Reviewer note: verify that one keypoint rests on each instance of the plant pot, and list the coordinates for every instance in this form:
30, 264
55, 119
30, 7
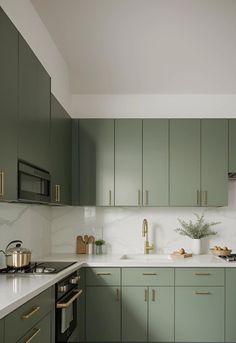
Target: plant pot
196, 246
98, 249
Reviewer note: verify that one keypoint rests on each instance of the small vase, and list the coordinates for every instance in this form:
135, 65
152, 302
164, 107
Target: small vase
98, 249
196, 246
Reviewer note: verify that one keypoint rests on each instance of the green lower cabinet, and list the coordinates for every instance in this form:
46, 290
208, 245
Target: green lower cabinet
134, 314
230, 305
161, 314
41, 332
199, 314
103, 314
1, 330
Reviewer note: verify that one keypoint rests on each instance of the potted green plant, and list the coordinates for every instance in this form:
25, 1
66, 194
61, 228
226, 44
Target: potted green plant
196, 231
99, 243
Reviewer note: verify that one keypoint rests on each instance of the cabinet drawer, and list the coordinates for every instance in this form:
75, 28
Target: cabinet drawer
41, 332
199, 277
102, 276
26, 316
148, 276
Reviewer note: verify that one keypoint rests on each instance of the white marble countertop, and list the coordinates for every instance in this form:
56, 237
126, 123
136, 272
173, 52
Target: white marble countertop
15, 290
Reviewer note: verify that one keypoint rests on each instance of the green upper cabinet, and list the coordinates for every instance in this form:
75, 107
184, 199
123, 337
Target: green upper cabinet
60, 154
232, 146
128, 162
8, 108
184, 162
214, 162
96, 162
155, 162
34, 109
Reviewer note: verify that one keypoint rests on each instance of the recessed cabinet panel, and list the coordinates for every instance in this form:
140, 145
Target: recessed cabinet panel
232, 145
96, 167
34, 109
184, 162
155, 162
60, 154
128, 162
8, 108
134, 314
214, 162
230, 306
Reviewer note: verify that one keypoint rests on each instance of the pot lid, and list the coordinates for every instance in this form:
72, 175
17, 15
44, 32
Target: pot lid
18, 250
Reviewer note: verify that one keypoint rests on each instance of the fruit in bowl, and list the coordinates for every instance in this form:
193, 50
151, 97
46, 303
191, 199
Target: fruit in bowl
221, 251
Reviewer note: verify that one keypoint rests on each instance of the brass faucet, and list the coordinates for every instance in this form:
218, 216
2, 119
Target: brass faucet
147, 246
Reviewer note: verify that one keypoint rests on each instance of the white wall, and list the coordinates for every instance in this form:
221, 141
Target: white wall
29, 24
121, 227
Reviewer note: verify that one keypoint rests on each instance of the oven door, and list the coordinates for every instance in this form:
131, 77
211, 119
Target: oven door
66, 315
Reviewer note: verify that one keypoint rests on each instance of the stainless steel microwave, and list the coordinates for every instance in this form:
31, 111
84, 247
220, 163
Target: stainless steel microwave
33, 183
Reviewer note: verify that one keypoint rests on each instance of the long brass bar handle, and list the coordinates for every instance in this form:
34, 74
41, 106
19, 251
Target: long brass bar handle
149, 274
117, 295
202, 293
56, 195
145, 294
146, 198
59, 193
202, 274
153, 295
109, 197
31, 313
69, 302
36, 332
139, 197
198, 197
100, 273
205, 198
1, 183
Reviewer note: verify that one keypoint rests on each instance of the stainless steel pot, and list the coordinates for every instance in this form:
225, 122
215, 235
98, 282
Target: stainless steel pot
17, 257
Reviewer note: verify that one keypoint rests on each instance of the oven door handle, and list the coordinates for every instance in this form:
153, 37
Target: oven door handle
72, 299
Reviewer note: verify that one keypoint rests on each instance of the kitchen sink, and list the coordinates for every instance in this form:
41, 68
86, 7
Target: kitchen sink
143, 257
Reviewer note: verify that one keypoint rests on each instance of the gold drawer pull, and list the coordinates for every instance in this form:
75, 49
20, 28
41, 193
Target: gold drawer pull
69, 302
153, 295
99, 274
33, 311
149, 274
202, 293
145, 295
202, 274
117, 295
36, 332
1, 183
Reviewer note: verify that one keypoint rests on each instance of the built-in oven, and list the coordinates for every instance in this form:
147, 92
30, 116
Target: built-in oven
67, 318
33, 183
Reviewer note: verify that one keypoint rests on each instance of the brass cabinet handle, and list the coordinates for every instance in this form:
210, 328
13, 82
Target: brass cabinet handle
149, 274
57, 193
202, 293
69, 302
36, 332
153, 295
205, 198
101, 273
117, 295
109, 197
33, 311
145, 294
139, 197
146, 198
202, 274
2, 183
198, 197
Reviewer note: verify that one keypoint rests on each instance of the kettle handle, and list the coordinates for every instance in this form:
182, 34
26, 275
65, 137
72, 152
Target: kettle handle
16, 241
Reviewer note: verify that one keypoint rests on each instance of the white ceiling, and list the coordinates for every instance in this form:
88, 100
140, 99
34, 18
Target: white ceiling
145, 46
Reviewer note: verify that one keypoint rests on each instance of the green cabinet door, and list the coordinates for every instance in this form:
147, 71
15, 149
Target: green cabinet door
155, 162
96, 162
134, 314
232, 146
2, 330
161, 314
34, 109
128, 162
60, 154
214, 162
184, 162
230, 305
103, 314
199, 314
41, 332
8, 108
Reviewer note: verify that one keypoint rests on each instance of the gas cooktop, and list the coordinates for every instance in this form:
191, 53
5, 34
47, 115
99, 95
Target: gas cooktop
38, 268
229, 258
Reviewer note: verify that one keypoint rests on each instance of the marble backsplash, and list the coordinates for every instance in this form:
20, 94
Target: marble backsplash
121, 227
29, 223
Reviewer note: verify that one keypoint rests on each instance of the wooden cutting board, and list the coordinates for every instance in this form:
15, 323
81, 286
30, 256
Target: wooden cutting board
80, 245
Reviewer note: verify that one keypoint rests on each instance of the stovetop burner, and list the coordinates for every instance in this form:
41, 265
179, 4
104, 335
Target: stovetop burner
229, 258
38, 268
